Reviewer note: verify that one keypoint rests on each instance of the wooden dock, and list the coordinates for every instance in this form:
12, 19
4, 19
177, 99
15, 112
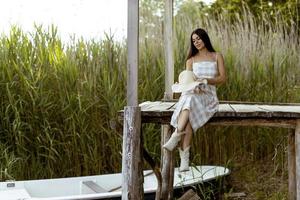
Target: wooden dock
229, 113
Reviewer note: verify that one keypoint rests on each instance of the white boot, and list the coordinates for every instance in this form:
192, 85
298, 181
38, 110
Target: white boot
173, 141
184, 159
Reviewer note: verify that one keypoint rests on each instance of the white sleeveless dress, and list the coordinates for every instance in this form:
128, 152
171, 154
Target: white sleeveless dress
201, 106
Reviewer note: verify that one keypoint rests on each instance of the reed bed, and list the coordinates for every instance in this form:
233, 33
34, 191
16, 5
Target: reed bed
59, 100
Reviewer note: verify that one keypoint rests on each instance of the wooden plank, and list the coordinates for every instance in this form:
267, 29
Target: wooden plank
132, 162
157, 106
164, 118
259, 103
161, 112
132, 52
292, 165
297, 152
233, 110
225, 108
282, 108
250, 102
240, 108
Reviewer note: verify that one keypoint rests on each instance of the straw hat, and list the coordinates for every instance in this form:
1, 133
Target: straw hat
186, 82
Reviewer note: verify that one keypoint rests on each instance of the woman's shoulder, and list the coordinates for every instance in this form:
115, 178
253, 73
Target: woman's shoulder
189, 63
217, 55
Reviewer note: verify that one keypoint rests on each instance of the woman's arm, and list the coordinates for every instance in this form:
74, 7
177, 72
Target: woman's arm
221, 78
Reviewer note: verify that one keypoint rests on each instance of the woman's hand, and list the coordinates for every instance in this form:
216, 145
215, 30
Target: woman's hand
198, 90
202, 81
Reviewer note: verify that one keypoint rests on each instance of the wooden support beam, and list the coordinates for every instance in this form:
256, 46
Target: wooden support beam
156, 170
132, 162
133, 52
282, 123
167, 165
132, 171
292, 165
167, 159
168, 41
297, 151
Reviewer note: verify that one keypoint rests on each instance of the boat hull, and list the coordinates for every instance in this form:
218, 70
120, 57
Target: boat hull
106, 186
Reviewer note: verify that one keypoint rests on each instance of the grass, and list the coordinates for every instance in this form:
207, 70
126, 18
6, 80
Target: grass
58, 100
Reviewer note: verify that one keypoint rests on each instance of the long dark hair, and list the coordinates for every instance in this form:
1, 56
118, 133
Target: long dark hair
204, 37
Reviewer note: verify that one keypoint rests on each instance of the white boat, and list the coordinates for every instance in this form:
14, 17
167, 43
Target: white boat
100, 186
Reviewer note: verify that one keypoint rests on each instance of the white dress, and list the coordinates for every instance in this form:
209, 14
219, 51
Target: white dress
201, 106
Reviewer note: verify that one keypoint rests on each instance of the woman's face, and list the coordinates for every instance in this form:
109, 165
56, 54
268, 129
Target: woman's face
198, 43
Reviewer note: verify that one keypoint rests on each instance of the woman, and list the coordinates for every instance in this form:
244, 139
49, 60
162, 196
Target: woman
197, 106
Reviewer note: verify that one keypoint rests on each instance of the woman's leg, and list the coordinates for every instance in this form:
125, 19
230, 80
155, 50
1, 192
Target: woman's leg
187, 137
184, 151
183, 119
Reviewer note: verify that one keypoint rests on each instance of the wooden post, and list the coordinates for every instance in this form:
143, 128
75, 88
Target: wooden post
133, 50
168, 33
297, 140
292, 165
167, 159
132, 172
167, 165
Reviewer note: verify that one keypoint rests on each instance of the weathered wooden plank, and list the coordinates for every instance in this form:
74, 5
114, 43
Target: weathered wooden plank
229, 110
132, 162
281, 108
161, 112
157, 106
297, 152
225, 108
241, 108
292, 165
250, 102
258, 103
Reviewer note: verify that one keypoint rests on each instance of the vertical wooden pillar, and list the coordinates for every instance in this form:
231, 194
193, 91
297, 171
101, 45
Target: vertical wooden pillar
297, 140
167, 165
167, 159
292, 165
168, 41
132, 172
133, 52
